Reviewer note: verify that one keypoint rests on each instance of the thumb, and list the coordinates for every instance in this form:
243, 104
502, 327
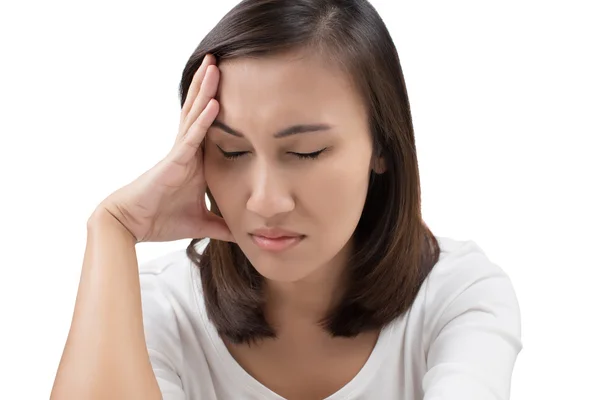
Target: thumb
215, 227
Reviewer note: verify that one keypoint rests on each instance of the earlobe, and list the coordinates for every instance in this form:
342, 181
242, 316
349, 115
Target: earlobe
378, 165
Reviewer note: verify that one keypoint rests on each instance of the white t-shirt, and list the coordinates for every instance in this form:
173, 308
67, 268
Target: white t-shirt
458, 341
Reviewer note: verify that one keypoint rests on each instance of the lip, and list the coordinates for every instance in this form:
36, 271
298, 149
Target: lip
275, 239
274, 233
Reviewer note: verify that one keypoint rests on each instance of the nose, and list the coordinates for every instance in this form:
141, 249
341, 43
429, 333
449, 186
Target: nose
269, 194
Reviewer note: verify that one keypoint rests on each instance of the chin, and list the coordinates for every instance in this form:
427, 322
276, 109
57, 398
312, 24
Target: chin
279, 269
283, 267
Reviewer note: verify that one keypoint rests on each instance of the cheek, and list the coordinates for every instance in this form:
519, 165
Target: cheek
212, 175
338, 193
223, 185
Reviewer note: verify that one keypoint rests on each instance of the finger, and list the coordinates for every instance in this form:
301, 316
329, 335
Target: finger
209, 226
208, 90
217, 228
186, 149
192, 94
196, 83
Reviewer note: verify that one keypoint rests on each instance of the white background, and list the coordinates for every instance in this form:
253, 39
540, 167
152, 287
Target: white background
505, 100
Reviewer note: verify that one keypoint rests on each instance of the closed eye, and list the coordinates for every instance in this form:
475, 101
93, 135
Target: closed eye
231, 155
312, 155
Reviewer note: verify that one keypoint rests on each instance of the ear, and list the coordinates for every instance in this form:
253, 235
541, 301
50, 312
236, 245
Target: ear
378, 164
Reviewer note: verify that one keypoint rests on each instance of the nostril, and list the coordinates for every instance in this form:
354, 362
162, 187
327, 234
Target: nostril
268, 206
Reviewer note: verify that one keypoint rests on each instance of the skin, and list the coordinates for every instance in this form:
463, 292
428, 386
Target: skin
321, 198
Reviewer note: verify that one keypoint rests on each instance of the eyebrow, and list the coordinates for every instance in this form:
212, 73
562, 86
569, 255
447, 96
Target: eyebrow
289, 131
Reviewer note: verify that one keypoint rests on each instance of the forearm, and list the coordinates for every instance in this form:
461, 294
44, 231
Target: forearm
105, 354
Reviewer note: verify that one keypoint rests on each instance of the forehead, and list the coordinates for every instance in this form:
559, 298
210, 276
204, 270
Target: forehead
293, 85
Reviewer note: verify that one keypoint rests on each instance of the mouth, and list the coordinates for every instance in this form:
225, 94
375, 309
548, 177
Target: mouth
276, 244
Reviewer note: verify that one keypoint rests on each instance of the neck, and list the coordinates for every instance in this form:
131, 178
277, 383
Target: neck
309, 299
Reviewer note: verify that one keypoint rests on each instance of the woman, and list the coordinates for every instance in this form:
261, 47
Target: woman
320, 279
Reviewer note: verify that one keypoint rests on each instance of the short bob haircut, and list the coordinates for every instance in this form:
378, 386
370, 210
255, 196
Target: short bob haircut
394, 248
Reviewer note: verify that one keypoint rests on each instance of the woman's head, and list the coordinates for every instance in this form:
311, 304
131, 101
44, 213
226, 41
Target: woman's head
291, 149
349, 187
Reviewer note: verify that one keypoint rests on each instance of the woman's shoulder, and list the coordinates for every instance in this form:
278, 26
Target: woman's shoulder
171, 268
176, 329
465, 283
462, 263
171, 290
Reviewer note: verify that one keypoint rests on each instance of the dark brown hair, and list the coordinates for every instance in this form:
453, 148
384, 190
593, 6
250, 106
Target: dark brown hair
394, 249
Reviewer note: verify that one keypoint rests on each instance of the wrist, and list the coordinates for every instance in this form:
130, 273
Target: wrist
101, 220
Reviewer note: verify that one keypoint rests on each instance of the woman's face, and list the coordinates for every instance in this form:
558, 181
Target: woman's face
311, 182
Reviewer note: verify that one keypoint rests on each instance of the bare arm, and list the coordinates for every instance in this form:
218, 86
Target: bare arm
105, 356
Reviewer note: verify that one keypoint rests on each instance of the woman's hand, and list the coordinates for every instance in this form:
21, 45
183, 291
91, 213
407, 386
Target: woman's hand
167, 202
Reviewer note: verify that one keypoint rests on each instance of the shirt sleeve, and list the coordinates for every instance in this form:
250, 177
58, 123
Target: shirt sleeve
475, 332
162, 338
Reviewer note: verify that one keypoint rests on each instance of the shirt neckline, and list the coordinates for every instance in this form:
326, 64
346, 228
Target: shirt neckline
239, 374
